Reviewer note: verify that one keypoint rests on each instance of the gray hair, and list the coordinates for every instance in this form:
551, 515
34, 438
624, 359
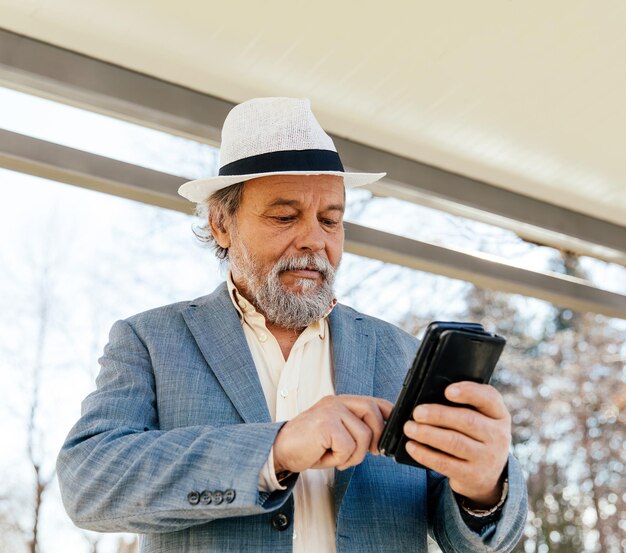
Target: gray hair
219, 206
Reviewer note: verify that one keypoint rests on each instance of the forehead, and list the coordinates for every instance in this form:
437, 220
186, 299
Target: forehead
320, 191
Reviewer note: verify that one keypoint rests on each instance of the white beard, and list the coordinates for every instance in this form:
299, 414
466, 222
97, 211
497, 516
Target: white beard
279, 304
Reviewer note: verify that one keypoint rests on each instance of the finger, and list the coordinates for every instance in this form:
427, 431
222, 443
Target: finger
341, 446
386, 407
373, 412
369, 413
439, 462
361, 433
454, 443
482, 396
376, 424
360, 405
469, 422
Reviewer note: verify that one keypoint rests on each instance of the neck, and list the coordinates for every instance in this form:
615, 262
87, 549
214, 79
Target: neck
286, 337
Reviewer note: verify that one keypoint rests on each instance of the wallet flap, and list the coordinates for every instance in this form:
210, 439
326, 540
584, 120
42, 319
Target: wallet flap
450, 352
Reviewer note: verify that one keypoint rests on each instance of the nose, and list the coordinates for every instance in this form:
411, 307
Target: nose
310, 236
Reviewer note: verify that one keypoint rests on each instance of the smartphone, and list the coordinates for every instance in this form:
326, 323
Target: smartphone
450, 352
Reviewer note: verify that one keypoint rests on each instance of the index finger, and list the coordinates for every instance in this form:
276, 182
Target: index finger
385, 407
484, 397
362, 405
372, 411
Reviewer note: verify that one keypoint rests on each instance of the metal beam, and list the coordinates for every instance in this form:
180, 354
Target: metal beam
66, 76
534, 220
64, 164
483, 270
62, 75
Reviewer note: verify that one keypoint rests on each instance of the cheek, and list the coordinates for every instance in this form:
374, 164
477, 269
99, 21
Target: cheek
268, 247
334, 250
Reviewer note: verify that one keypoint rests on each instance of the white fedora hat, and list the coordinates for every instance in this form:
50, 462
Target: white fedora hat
273, 136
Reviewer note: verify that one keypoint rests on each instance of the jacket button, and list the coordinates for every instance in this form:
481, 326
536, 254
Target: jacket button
229, 495
206, 497
280, 522
218, 497
193, 497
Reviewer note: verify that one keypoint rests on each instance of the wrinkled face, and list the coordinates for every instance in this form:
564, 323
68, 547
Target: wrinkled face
285, 243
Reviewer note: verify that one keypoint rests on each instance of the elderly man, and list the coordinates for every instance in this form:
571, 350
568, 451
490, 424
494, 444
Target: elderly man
249, 419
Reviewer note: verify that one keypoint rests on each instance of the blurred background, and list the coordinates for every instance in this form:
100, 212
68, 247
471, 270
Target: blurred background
501, 128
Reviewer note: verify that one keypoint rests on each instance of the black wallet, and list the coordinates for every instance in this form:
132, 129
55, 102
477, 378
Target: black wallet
450, 352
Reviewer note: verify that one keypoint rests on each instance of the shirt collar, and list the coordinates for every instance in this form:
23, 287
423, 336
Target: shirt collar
241, 304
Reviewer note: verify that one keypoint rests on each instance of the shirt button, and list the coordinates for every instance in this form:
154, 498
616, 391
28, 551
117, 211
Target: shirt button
263, 337
284, 392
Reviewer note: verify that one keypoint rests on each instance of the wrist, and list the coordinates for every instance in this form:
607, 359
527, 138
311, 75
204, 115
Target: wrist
483, 502
281, 473
277, 466
479, 509
489, 500
277, 455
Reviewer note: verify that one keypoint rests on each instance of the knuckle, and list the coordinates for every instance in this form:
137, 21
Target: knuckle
486, 392
502, 433
471, 419
467, 474
443, 465
505, 438
455, 442
365, 434
490, 389
346, 452
495, 396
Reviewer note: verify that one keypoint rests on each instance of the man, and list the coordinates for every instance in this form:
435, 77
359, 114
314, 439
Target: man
185, 439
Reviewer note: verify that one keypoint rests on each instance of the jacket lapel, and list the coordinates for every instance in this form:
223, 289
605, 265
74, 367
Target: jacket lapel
216, 328
353, 346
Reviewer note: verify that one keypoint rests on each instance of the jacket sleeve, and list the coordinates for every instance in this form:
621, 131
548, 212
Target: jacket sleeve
454, 536
118, 472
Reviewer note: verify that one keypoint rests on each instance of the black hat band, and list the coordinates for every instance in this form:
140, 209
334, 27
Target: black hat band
284, 162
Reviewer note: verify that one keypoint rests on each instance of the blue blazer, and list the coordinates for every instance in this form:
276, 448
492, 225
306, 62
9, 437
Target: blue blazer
179, 410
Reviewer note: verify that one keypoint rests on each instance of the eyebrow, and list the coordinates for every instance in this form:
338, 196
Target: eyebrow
296, 204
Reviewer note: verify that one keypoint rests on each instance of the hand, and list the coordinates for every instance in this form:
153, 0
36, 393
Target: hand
337, 431
474, 445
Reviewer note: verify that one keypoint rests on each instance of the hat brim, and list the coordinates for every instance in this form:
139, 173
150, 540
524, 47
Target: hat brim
200, 189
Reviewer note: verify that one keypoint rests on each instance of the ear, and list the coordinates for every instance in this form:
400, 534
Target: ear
220, 231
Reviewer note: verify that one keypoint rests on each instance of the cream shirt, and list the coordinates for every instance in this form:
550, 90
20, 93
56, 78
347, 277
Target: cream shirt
290, 387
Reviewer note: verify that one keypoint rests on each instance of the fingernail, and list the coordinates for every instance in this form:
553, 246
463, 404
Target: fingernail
454, 391
410, 428
420, 413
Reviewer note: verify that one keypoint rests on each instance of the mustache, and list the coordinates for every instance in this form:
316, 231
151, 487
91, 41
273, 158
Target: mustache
309, 262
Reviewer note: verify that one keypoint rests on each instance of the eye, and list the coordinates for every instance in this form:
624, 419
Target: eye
329, 222
284, 219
